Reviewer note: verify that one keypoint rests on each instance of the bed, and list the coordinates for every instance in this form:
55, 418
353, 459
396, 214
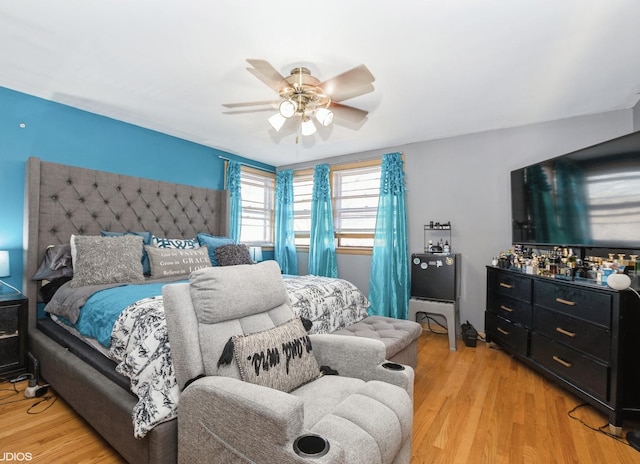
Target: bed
62, 201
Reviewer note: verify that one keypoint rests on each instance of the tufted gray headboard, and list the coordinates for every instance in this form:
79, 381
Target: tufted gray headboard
62, 200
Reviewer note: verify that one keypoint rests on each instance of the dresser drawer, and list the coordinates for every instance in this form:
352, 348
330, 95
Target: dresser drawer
509, 284
509, 308
506, 333
575, 333
589, 305
579, 369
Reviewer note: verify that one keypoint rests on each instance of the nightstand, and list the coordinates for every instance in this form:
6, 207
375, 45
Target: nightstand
13, 333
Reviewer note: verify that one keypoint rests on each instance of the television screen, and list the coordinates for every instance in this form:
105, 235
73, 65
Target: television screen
587, 198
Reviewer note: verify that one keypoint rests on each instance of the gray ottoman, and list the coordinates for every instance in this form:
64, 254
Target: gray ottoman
399, 336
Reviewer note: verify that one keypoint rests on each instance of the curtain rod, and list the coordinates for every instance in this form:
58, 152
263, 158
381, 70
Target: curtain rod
246, 164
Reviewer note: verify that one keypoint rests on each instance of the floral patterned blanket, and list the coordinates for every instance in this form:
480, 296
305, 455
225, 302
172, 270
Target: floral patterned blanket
140, 346
140, 343
330, 304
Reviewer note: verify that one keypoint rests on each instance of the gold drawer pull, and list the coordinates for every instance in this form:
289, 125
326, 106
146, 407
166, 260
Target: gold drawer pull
565, 332
502, 284
506, 308
567, 302
502, 331
561, 361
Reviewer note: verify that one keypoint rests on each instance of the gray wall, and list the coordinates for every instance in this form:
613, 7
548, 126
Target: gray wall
636, 116
465, 180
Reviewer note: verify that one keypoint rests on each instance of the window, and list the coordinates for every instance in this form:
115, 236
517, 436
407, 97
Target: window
355, 189
302, 192
257, 188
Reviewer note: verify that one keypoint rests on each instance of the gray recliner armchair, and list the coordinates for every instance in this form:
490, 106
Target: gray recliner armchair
233, 323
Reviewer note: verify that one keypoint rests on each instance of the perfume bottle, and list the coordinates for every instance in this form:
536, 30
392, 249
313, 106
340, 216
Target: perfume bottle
633, 265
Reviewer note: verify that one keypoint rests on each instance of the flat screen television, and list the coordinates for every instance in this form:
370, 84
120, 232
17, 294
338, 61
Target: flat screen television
588, 198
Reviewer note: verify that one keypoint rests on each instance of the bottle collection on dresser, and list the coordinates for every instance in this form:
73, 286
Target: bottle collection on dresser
563, 262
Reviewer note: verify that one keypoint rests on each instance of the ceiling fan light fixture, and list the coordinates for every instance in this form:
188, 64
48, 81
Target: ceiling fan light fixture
312, 103
324, 116
277, 121
308, 127
288, 108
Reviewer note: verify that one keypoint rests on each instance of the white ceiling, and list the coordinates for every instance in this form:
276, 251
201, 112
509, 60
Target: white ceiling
442, 67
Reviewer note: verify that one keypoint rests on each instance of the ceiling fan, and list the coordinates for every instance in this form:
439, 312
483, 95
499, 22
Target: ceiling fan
303, 98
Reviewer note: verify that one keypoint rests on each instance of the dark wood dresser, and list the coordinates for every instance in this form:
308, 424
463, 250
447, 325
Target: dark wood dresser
581, 335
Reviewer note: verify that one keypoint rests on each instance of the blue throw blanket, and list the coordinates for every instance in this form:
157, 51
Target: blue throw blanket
101, 310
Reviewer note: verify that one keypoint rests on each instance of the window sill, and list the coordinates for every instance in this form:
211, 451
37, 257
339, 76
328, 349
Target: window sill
354, 251
341, 250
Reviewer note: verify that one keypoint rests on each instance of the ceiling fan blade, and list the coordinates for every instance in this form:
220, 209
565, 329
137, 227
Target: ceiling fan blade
348, 113
253, 103
348, 93
254, 110
267, 74
360, 76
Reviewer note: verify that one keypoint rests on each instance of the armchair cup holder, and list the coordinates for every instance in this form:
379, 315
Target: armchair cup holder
311, 446
393, 366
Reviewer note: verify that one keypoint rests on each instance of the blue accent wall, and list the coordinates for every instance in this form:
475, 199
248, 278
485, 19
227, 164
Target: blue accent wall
62, 134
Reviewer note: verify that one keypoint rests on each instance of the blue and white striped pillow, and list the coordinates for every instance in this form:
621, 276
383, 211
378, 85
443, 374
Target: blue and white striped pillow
179, 243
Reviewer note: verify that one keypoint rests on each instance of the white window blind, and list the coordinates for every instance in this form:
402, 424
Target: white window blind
302, 193
355, 201
258, 190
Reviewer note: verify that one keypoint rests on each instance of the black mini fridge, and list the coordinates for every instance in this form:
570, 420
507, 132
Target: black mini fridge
435, 276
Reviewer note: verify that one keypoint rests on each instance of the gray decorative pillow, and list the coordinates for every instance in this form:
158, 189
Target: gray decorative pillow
213, 242
279, 358
146, 240
233, 255
168, 262
106, 260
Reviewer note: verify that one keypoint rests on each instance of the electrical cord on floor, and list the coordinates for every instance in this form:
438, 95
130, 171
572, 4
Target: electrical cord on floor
5, 399
12, 382
429, 320
13, 391
20, 378
596, 429
43, 399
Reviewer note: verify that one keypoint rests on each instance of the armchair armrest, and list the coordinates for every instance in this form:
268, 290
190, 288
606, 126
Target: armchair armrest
350, 356
359, 357
234, 409
240, 421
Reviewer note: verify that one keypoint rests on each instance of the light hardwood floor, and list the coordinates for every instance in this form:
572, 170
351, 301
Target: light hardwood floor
474, 405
